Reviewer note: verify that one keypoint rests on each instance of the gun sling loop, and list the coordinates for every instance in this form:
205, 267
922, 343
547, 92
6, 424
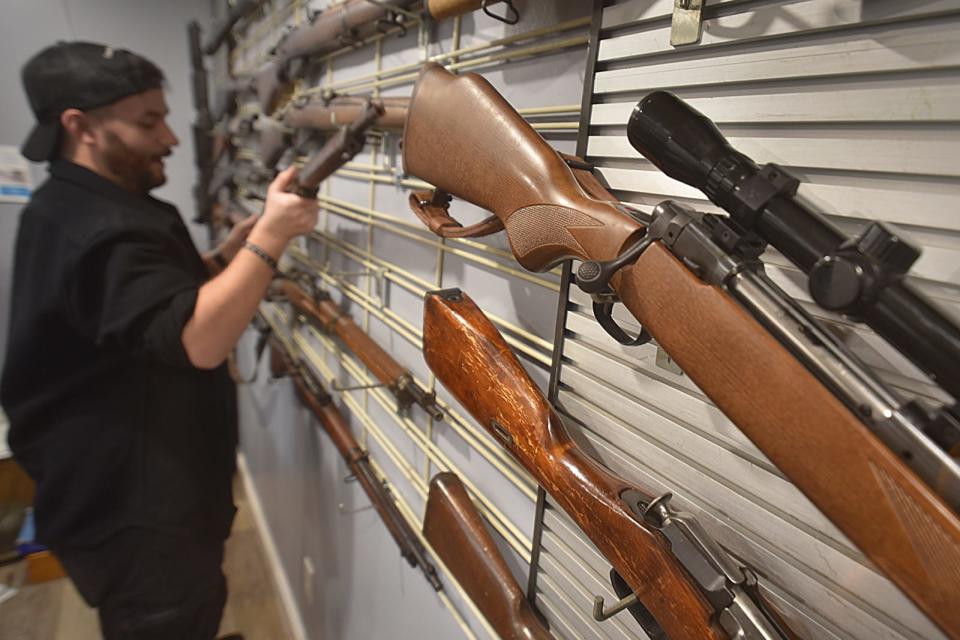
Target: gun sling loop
512, 16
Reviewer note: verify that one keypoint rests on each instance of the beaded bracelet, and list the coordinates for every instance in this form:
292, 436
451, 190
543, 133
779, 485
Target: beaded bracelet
260, 253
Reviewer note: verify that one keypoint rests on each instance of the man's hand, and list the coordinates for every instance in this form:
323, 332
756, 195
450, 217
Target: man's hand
286, 215
237, 236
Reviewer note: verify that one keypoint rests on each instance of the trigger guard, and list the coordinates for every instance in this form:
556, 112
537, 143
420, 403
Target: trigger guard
603, 312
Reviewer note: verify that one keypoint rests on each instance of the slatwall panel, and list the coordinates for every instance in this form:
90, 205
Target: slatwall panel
861, 101
376, 260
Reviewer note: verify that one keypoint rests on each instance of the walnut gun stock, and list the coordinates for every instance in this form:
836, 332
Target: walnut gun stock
755, 378
455, 530
686, 583
313, 395
328, 317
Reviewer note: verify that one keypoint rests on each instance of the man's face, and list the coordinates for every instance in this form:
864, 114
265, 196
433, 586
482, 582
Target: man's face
132, 139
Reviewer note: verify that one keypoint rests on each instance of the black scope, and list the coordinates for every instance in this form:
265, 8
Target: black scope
861, 277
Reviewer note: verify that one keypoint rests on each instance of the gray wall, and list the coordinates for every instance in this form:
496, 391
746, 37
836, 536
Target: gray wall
155, 29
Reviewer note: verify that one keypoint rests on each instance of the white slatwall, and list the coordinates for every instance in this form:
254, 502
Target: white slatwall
861, 100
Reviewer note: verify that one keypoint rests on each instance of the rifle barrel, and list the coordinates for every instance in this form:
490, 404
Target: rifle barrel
314, 396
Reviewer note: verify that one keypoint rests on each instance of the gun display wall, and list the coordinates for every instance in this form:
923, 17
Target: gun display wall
775, 446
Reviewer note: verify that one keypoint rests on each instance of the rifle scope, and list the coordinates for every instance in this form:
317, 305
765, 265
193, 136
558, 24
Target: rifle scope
860, 277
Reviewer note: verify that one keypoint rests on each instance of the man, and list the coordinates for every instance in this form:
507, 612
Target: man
120, 405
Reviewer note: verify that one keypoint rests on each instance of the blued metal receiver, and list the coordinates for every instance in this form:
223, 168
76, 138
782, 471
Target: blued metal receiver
861, 277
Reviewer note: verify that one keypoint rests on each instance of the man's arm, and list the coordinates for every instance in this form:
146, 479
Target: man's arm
227, 302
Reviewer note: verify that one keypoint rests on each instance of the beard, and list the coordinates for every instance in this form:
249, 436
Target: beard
138, 172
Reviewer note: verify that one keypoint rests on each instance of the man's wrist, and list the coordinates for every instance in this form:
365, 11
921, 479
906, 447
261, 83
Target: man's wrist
219, 259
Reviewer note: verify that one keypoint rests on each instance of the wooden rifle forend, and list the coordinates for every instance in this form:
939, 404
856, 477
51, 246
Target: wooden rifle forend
331, 114
315, 398
504, 166
455, 530
337, 151
500, 163
329, 318
898, 521
474, 363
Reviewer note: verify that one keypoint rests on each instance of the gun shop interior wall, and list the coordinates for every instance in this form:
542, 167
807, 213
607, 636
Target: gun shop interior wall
343, 572
860, 102
152, 29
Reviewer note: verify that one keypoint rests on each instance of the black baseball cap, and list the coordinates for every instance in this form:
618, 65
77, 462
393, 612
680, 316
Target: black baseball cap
78, 75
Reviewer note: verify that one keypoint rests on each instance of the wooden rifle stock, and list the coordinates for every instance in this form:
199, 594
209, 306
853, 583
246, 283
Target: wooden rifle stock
902, 525
328, 317
313, 395
444, 9
455, 530
474, 363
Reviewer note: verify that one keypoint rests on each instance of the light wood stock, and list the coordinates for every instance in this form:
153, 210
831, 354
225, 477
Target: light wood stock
474, 363
878, 502
444, 9
455, 530
495, 160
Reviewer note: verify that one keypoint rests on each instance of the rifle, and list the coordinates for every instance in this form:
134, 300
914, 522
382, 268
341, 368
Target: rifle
443, 9
336, 27
227, 94
221, 30
326, 316
308, 116
314, 396
330, 112
455, 530
696, 286
860, 277
690, 589
203, 147
338, 150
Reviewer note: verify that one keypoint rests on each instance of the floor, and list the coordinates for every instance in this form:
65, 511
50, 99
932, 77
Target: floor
55, 611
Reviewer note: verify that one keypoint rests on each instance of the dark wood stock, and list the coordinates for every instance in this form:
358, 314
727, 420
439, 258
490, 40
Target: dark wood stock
328, 316
504, 166
455, 530
878, 502
330, 115
339, 149
474, 363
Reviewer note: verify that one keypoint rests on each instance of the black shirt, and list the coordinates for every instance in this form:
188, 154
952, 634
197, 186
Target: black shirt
106, 412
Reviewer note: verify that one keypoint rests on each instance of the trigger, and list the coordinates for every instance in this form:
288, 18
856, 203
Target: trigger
603, 312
